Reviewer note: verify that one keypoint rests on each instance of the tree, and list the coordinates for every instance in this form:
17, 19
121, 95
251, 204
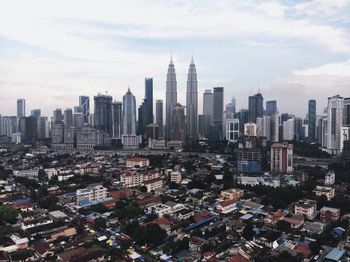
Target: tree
283, 226
8, 214
100, 223
248, 231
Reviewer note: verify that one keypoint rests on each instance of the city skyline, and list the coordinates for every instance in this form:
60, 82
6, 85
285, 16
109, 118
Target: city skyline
305, 54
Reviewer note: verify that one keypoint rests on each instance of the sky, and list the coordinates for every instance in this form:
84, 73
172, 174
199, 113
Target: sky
292, 51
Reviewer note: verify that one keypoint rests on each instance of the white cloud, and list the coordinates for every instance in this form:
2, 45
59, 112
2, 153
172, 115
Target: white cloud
335, 69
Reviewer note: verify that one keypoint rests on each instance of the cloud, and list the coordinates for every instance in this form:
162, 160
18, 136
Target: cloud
334, 69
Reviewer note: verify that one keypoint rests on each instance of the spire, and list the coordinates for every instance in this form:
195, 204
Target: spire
192, 60
171, 59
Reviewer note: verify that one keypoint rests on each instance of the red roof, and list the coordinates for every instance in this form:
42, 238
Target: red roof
237, 258
201, 216
160, 221
303, 249
228, 202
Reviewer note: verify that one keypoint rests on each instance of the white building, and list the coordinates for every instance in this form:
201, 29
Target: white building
97, 192
250, 129
132, 179
131, 141
329, 179
263, 127
176, 177
334, 123
232, 129
288, 129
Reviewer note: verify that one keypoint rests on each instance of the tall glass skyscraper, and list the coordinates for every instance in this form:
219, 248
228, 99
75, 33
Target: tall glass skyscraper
159, 116
84, 103
21, 107
103, 113
271, 107
129, 114
171, 97
312, 119
218, 108
192, 102
255, 107
149, 100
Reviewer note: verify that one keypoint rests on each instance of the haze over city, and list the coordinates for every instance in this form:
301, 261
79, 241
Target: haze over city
52, 52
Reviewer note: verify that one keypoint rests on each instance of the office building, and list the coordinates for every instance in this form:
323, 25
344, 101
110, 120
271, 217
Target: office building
271, 107
57, 116
289, 129
84, 104
91, 193
36, 113
334, 123
249, 160
264, 127
78, 120
231, 129
171, 97
103, 113
346, 112
218, 104
255, 107
159, 116
68, 118
43, 128
21, 107
312, 120
208, 104
192, 102
250, 129
152, 131
243, 119
178, 123
274, 128
281, 158
149, 101
129, 113
204, 123
117, 117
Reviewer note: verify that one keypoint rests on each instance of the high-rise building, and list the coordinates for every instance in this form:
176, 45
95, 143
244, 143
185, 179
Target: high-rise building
129, 114
1, 126
178, 131
103, 113
334, 123
289, 129
35, 113
274, 129
21, 107
243, 119
208, 105
204, 123
171, 97
271, 107
68, 117
233, 103
264, 126
9, 125
192, 102
78, 120
312, 120
231, 129
346, 112
256, 107
218, 97
43, 128
159, 116
117, 116
84, 104
298, 128
57, 116
149, 100
282, 158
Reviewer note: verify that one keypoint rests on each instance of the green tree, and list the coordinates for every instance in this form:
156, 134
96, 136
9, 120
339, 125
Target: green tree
8, 214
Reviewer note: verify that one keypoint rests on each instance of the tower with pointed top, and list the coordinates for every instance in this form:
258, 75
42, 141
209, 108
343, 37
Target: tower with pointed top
171, 97
129, 113
192, 102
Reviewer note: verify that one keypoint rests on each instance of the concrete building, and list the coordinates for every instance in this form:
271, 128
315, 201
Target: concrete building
103, 113
159, 116
281, 158
192, 103
178, 131
84, 104
218, 104
21, 107
91, 193
129, 114
208, 105
255, 107
232, 129
171, 98
250, 129
289, 129
334, 123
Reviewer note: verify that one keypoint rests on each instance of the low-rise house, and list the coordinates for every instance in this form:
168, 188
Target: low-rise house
327, 191
154, 184
307, 208
233, 193
328, 214
227, 206
137, 162
314, 227
196, 244
296, 221
13, 243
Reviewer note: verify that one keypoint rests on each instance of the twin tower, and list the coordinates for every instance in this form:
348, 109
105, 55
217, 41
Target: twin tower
191, 101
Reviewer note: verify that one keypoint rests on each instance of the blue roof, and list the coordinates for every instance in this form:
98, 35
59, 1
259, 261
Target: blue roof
69, 194
200, 223
22, 201
335, 254
246, 216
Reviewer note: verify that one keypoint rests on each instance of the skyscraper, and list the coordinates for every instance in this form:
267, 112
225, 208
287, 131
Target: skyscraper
103, 113
274, 129
256, 108
178, 131
218, 108
192, 102
208, 105
312, 119
68, 117
171, 97
271, 107
149, 100
334, 123
84, 103
117, 113
35, 113
233, 102
159, 116
21, 107
129, 114
346, 112
57, 116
